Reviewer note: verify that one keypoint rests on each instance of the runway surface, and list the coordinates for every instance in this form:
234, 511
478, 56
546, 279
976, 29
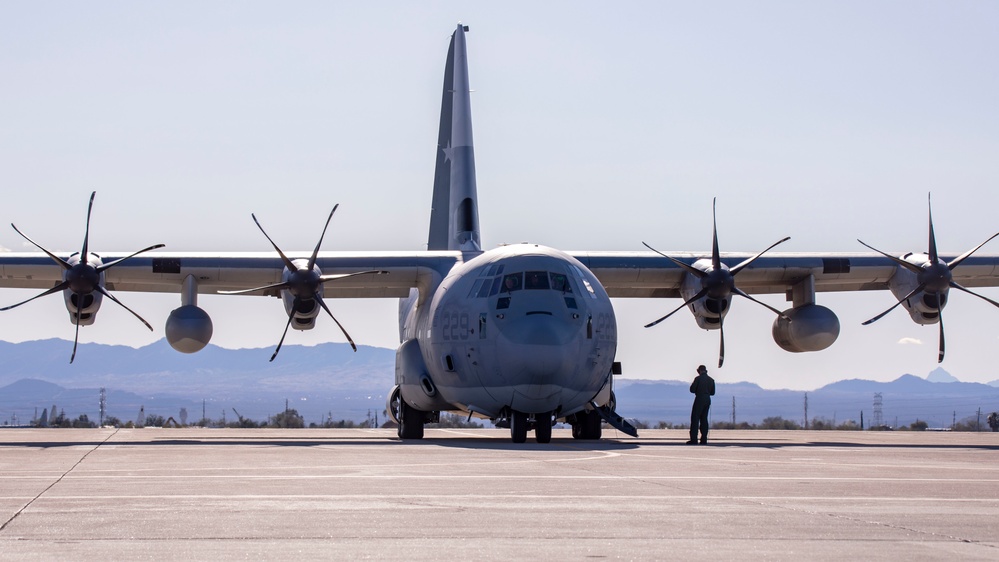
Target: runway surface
471, 494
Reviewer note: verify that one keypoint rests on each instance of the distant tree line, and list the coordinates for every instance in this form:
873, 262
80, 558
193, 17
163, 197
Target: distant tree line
291, 419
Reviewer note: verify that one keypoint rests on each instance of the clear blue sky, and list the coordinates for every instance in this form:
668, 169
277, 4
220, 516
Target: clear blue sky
597, 126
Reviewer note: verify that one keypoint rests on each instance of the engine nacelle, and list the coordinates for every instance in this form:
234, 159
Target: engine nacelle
87, 303
188, 329
811, 328
923, 307
307, 310
707, 312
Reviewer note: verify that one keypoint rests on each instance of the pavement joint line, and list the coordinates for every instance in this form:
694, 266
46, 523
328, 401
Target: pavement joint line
786, 478
757, 499
57, 480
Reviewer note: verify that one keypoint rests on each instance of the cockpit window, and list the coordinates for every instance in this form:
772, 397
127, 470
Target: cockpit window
496, 286
494, 269
512, 282
536, 280
500, 285
484, 289
477, 286
560, 283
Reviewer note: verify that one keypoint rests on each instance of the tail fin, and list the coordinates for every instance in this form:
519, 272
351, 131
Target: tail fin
454, 218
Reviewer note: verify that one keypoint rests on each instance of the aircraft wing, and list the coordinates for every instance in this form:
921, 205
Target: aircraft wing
165, 272
623, 274
646, 274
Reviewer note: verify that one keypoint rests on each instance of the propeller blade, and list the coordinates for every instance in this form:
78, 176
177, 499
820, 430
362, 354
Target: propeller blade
903, 299
281, 285
345, 334
911, 267
104, 292
86, 233
735, 270
960, 288
688, 268
286, 326
57, 259
56, 289
715, 254
940, 356
284, 258
743, 294
315, 253
957, 261
699, 294
325, 278
721, 340
76, 335
933, 238
107, 266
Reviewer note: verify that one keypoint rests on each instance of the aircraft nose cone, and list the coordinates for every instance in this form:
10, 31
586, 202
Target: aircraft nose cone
538, 363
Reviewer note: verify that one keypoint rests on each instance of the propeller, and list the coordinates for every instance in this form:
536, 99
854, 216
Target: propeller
935, 277
82, 278
718, 282
303, 283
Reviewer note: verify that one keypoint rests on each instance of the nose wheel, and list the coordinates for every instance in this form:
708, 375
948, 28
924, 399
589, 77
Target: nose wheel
518, 427
543, 427
520, 424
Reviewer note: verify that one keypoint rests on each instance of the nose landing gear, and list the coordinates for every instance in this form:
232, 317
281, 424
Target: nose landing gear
521, 423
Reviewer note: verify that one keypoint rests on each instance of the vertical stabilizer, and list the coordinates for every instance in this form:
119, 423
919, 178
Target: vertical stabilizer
454, 218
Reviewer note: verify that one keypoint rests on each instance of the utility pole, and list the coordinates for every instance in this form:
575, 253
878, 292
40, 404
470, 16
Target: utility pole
978, 424
861, 420
733, 412
806, 410
953, 419
104, 404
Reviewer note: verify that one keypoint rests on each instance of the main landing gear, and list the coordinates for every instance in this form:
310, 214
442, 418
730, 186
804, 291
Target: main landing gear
585, 425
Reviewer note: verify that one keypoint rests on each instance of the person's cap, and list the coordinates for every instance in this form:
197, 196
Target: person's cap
702, 369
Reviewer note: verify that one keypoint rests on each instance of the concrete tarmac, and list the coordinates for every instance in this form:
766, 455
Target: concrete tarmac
471, 494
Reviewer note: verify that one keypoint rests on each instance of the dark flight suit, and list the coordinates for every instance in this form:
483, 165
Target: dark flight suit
703, 389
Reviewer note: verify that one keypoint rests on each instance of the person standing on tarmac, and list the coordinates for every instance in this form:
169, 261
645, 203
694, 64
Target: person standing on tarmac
703, 388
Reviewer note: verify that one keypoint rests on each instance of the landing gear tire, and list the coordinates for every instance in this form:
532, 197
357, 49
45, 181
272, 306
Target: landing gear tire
543, 427
518, 427
410, 422
587, 426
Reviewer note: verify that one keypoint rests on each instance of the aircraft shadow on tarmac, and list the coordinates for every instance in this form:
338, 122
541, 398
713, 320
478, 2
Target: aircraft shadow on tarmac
491, 443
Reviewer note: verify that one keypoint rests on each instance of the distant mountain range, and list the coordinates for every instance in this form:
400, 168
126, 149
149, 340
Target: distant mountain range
317, 381
331, 380
903, 401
